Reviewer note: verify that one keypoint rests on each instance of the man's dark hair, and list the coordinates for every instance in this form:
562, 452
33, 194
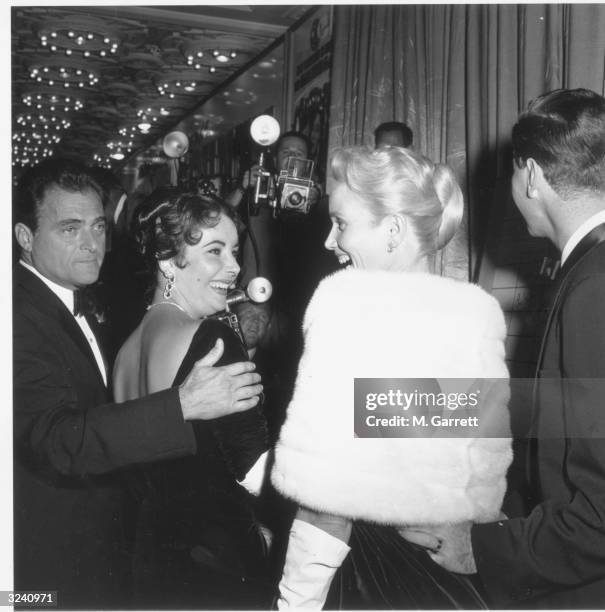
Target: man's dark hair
395, 126
66, 174
295, 134
564, 132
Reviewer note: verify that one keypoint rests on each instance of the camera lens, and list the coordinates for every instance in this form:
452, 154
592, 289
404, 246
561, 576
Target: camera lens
295, 198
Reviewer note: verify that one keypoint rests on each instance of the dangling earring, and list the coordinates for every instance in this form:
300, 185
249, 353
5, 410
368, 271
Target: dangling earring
169, 284
390, 247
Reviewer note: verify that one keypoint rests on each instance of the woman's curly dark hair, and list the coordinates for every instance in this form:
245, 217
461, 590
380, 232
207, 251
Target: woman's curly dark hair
170, 219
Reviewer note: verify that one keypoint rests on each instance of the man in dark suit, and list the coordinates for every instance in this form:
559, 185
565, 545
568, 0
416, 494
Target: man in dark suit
70, 442
555, 556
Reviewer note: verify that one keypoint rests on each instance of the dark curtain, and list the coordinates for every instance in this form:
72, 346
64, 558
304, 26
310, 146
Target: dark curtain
458, 75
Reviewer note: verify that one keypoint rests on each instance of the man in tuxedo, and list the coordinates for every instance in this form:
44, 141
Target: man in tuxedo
70, 441
554, 557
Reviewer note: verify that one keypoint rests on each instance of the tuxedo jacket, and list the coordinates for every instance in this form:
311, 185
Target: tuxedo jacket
70, 444
555, 557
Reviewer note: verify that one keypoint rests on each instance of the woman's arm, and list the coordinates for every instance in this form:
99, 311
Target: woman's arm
316, 548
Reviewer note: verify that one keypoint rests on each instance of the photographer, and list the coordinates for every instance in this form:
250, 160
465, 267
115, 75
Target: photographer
268, 233
290, 144
284, 244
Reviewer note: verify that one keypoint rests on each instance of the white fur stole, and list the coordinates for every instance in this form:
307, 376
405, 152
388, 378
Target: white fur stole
367, 324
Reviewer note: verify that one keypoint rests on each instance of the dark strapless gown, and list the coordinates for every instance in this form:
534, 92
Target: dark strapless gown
198, 541
385, 572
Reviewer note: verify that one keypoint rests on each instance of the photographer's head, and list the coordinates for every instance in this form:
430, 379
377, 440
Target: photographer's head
60, 222
291, 144
190, 244
559, 161
393, 134
391, 208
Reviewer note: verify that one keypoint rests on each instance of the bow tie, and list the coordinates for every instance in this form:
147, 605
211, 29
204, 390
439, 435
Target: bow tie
85, 302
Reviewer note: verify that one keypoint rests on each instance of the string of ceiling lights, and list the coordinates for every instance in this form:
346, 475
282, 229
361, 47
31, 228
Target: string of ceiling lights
58, 72
51, 104
87, 36
146, 118
95, 85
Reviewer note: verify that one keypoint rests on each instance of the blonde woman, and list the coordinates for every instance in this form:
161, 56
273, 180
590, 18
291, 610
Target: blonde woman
388, 315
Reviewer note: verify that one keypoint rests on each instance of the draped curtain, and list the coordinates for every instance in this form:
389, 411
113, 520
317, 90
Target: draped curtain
458, 75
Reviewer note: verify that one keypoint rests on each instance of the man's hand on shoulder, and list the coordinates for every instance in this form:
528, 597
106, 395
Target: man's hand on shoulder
211, 392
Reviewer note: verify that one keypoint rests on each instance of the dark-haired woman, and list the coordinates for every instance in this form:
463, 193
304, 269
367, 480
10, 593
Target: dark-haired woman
198, 542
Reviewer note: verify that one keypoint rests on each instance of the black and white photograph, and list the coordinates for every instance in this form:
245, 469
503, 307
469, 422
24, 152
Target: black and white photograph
307, 306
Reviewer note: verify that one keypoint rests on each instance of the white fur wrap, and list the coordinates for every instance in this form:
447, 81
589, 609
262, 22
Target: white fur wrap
364, 324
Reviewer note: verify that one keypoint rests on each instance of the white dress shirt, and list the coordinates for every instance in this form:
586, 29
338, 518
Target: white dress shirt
67, 297
582, 231
119, 208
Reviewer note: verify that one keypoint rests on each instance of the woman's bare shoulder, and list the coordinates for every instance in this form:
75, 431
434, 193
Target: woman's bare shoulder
165, 341
126, 369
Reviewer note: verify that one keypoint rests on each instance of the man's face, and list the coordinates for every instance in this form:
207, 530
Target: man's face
69, 245
290, 146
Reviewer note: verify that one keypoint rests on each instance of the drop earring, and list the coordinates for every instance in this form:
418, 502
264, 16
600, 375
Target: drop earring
169, 284
390, 247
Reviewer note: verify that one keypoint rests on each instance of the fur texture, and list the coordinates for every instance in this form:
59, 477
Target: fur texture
362, 324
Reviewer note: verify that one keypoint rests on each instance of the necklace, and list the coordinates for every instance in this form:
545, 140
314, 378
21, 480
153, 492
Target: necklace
168, 304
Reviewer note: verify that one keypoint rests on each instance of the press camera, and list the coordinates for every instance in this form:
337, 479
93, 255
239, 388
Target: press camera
290, 191
294, 186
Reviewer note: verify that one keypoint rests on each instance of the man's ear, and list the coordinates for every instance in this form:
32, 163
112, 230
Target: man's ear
534, 177
25, 237
397, 227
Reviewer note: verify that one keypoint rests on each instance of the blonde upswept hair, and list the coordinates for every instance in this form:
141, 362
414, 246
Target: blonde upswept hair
394, 180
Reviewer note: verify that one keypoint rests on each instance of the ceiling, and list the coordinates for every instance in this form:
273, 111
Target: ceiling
102, 82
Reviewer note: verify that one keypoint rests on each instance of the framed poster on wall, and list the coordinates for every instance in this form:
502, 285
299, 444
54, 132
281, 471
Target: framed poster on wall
312, 54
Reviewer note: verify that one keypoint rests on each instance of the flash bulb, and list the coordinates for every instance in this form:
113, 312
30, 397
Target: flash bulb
259, 289
265, 130
175, 144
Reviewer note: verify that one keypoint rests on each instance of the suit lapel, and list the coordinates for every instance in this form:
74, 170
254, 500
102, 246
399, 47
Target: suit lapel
42, 298
591, 240
583, 248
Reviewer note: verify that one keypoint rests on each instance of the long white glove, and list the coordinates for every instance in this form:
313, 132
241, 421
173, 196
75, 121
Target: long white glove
312, 559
